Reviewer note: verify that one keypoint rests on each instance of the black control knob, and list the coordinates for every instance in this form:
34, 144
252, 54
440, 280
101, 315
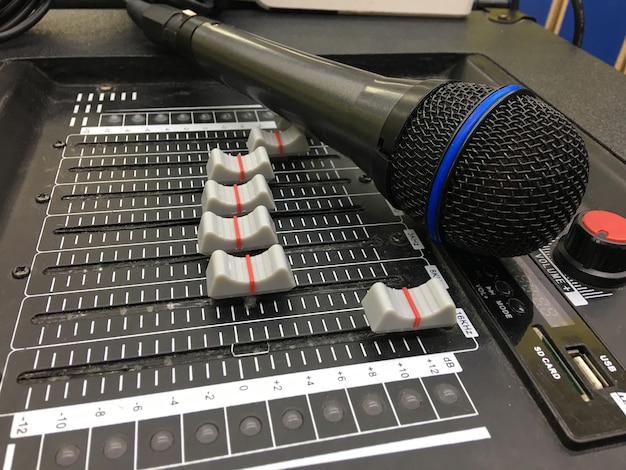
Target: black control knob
594, 249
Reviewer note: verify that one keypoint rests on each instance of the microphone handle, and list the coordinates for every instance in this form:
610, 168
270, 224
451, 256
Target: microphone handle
358, 113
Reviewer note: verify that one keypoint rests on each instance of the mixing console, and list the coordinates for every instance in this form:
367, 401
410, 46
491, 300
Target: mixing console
119, 357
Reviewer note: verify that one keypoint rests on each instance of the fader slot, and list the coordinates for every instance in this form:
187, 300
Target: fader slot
272, 316
155, 143
85, 170
115, 265
170, 371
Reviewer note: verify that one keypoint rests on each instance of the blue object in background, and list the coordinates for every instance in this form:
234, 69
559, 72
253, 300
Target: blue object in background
605, 24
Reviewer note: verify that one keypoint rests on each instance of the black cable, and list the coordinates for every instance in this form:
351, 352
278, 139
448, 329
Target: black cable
579, 22
73, 4
18, 16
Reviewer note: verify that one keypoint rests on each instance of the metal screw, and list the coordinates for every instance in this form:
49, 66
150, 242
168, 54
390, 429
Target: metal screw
105, 87
398, 237
42, 198
365, 179
20, 272
59, 144
503, 16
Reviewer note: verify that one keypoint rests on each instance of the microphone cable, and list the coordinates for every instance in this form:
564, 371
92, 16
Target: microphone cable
18, 16
579, 22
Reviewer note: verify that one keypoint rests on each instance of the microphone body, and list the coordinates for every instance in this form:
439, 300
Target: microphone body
460, 157
345, 107
358, 113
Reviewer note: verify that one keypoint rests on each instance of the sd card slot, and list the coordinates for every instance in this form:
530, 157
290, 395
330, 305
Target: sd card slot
569, 372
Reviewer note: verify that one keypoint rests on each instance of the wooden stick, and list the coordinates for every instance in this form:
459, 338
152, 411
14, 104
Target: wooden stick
556, 15
620, 63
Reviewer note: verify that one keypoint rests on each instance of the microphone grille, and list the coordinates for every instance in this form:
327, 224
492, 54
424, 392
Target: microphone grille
517, 181
424, 139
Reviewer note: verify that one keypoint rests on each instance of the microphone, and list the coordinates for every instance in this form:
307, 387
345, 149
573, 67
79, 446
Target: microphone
493, 171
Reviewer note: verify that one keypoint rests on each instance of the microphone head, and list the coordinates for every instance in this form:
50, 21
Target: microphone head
517, 178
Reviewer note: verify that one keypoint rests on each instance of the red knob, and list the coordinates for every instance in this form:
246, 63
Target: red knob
594, 249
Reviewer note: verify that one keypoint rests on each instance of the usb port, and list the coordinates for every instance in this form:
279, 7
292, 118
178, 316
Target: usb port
586, 368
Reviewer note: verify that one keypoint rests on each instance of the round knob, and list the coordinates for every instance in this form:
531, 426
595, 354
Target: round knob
594, 249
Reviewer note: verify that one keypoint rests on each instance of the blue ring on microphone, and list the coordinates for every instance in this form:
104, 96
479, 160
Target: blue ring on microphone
452, 152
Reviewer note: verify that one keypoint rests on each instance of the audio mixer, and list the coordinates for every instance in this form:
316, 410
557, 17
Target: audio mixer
114, 354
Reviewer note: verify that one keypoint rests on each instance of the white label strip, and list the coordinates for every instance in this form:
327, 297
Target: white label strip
217, 126
123, 410
620, 399
562, 282
465, 324
576, 298
455, 437
434, 273
413, 239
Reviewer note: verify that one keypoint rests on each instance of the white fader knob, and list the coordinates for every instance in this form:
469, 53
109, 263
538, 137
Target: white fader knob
237, 199
225, 168
290, 141
230, 276
422, 307
247, 232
